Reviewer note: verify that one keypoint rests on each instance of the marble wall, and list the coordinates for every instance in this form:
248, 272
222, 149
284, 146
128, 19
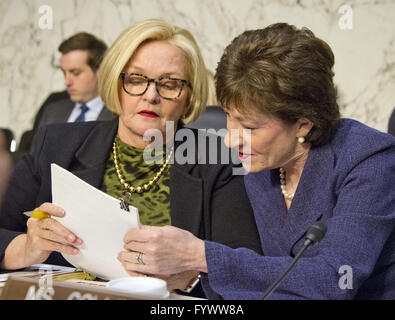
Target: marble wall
360, 32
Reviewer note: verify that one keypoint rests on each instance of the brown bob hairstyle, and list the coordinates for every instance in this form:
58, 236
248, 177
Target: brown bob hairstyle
284, 72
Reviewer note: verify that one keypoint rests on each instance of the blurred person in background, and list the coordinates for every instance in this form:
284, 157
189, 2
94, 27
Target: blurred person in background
81, 55
6, 164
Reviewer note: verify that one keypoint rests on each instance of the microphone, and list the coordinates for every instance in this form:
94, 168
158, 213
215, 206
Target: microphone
313, 235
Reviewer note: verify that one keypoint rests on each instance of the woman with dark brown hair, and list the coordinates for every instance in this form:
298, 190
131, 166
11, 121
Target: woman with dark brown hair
306, 165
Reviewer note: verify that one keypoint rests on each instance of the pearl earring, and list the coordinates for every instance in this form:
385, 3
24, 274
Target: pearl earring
301, 140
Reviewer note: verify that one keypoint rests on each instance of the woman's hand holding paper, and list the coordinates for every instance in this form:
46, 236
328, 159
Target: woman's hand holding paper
162, 251
43, 237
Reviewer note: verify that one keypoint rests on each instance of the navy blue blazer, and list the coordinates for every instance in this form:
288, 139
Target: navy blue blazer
349, 185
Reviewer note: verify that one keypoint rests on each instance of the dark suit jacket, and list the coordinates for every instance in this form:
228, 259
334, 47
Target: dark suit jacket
205, 199
53, 97
55, 109
59, 111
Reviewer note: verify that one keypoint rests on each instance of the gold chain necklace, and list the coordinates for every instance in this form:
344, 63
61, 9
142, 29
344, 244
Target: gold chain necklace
143, 187
283, 183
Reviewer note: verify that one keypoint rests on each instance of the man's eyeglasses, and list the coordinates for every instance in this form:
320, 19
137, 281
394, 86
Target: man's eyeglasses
137, 84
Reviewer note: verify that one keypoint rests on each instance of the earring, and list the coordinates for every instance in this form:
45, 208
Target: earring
301, 139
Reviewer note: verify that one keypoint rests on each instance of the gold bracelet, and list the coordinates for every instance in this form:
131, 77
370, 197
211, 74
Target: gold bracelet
192, 284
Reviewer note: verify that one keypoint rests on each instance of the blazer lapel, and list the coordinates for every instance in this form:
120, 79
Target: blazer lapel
306, 207
63, 109
281, 230
94, 152
105, 114
269, 209
186, 194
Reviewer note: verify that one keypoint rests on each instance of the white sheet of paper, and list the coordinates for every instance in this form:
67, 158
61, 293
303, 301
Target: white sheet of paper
97, 219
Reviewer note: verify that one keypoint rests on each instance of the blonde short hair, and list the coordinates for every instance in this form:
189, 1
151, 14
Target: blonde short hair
212, 94
119, 54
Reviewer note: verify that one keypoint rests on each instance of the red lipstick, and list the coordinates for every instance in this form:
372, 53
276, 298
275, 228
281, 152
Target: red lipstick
243, 156
148, 113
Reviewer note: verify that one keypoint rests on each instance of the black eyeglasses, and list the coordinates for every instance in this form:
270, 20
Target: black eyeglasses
137, 84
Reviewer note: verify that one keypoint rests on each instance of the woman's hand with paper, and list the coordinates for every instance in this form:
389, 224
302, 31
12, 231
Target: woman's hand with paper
162, 251
43, 237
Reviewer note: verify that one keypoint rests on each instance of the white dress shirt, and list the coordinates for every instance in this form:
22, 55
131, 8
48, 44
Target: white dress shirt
95, 106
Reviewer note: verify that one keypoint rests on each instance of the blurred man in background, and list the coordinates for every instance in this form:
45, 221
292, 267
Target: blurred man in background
5, 165
81, 56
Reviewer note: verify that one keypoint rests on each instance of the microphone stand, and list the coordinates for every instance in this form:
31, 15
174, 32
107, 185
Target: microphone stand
274, 286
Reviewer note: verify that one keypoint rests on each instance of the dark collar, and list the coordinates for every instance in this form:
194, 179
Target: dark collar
94, 152
95, 149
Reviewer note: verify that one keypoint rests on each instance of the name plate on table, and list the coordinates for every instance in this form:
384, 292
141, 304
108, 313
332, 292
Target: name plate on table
19, 288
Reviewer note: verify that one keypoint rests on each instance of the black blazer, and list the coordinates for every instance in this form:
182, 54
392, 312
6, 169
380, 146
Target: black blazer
55, 109
205, 199
53, 97
60, 110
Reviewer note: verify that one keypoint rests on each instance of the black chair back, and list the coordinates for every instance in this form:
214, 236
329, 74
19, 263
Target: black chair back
212, 118
391, 123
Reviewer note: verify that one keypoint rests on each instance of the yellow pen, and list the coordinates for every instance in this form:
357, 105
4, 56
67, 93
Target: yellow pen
37, 214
